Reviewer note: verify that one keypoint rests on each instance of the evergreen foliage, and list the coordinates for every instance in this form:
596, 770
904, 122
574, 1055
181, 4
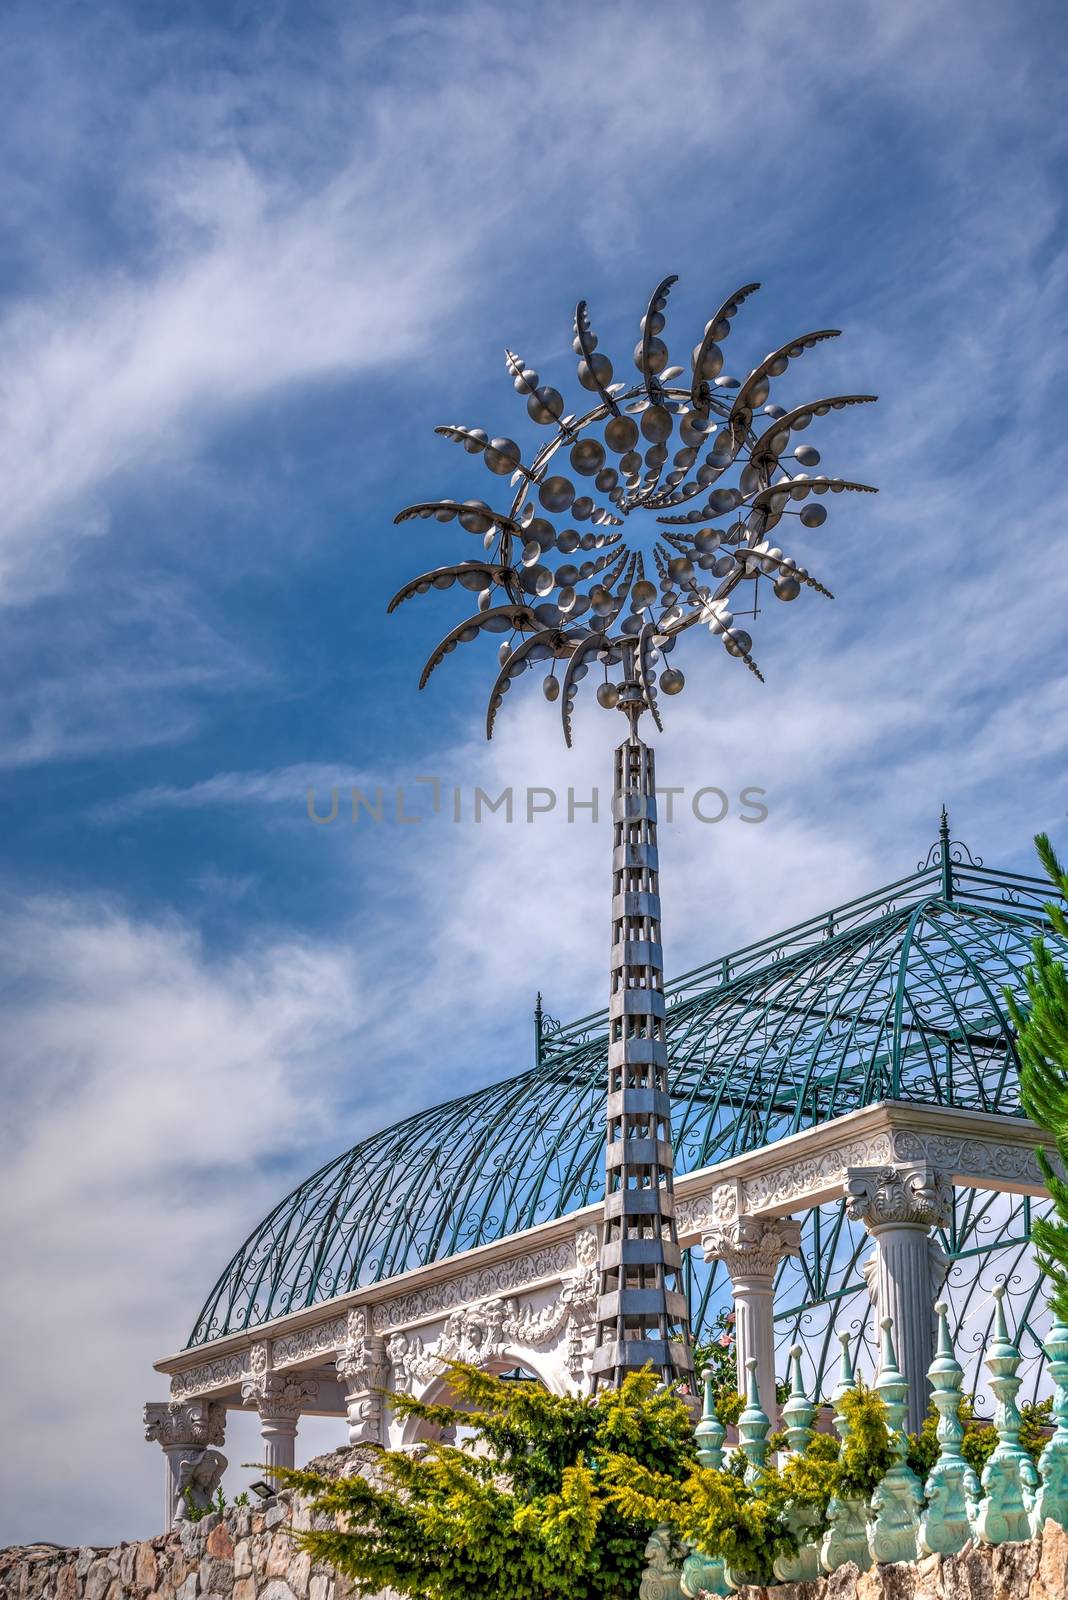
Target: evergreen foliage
553, 1497
1041, 1022
749, 1525
519, 1510
980, 1437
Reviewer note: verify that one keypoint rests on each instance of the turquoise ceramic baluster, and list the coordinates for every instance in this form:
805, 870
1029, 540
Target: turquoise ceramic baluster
701, 1573
846, 1538
952, 1488
797, 1415
1052, 1497
753, 1430
753, 1427
894, 1521
710, 1431
1009, 1477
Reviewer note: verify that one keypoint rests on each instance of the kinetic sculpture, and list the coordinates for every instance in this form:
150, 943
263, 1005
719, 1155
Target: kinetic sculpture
605, 610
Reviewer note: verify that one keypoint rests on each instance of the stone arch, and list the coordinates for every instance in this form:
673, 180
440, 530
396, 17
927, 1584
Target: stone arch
437, 1391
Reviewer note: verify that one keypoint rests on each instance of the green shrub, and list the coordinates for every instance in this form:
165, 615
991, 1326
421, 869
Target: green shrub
521, 1510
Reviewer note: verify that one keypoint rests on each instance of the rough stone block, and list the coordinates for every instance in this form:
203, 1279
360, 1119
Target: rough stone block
215, 1576
86, 1557
967, 1576
319, 1587
220, 1544
278, 1590
187, 1589
243, 1558
842, 1584
279, 1557
98, 1580
1052, 1578
1012, 1568
67, 1582
298, 1573
127, 1562
146, 1567
275, 1515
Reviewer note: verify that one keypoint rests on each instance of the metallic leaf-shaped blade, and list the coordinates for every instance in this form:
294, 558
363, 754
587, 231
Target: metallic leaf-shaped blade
715, 333
560, 646
519, 617
579, 657
445, 510
754, 391
764, 458
657, 301
645, 671
473, 575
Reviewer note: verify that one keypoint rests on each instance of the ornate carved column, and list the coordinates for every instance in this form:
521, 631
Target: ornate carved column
279, 1397
363, 1367
899, 1206
184, 1429
751, 1249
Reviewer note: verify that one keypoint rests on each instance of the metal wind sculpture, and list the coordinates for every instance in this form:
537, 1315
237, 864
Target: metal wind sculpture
605, 610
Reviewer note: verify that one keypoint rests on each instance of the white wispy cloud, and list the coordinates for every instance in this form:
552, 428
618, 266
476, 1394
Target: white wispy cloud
285, 786
285, 221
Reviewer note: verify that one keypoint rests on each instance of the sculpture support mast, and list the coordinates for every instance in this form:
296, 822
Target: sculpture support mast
642, 1316
568, 616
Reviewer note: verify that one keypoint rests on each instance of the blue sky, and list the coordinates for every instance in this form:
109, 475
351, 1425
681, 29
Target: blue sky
251, 255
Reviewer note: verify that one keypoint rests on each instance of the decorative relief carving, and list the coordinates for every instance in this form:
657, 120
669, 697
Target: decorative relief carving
199, 1478
551, 1262
978, 1156
752, 1246
363, 1367
211, 1375
919, 1195
311, 1341
798, 1181
279, 1396
795, 1181
193, 1425
494, 1329
708, 1210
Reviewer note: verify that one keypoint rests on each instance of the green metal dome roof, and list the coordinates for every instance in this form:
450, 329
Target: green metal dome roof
895, 995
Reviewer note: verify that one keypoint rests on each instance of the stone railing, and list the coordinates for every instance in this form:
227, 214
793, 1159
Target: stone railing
907, 1519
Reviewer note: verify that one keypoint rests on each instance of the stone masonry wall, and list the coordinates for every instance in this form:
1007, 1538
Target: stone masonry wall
250, 1555
239, 1554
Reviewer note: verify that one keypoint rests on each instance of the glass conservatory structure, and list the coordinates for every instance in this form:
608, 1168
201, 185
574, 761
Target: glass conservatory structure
890, 1007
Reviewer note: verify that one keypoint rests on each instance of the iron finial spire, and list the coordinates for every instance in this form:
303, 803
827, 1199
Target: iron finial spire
944, 855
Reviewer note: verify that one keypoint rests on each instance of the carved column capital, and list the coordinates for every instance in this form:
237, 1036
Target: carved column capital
187, 1431
752, 1246
185, 1425
279, 1396
913, 1195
